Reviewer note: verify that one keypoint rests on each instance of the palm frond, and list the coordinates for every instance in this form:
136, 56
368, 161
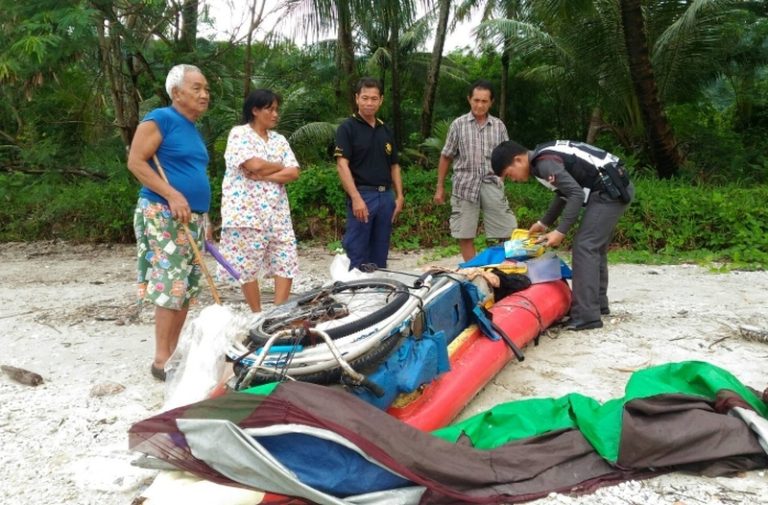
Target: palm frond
435, 143
415, 35
525, 38
380, 59
323, 49
684, 52
311, 18
561, 11
319, 133
450, 71
544, 74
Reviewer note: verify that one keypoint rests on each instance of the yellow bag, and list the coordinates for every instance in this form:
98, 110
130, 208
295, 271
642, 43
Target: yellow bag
521, 244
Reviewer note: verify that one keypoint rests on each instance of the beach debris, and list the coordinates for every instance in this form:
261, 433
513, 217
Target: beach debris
754, 333
106, 389
22, 376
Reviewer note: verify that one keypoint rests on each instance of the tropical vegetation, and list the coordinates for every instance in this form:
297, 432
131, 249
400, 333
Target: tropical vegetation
678, 88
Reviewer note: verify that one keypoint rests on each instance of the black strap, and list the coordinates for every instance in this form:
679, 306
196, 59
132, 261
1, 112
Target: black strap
507, 340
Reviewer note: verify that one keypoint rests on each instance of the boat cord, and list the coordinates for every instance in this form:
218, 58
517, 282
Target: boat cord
530, 307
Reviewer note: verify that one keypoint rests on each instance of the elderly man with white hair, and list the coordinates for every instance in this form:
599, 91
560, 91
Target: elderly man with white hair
168, 276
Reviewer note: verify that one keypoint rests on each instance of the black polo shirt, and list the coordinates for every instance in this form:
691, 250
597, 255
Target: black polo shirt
370, 150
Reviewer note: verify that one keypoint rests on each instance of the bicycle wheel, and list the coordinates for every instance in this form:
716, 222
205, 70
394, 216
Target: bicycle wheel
366, 362
340, 310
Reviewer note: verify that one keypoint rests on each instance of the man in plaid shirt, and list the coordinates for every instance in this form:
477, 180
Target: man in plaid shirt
471, 139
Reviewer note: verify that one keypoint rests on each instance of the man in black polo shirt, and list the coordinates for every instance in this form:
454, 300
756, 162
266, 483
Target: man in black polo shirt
366, 159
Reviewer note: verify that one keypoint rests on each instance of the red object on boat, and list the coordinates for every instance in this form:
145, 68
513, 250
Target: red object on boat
522, 316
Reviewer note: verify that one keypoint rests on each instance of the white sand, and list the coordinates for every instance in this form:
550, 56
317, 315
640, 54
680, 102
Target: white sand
68, 313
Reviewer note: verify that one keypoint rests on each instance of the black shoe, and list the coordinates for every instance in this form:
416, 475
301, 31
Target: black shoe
583, 325
157, 373
605, 311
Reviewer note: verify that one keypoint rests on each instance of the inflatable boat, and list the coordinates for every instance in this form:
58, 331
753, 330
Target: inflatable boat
442, 352
475, 359
434, 343
443, 360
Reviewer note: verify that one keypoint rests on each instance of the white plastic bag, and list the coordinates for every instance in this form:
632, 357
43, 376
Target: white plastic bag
340, 271
198, 363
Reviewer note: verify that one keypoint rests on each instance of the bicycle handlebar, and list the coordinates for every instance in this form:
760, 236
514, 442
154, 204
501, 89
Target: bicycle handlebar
424, 279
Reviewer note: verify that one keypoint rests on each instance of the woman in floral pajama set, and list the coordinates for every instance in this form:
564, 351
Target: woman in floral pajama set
257, 236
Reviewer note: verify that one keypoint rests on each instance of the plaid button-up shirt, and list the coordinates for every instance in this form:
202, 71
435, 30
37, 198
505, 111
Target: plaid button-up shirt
470, 147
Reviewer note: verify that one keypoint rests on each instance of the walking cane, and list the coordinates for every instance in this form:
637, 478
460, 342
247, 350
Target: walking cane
191, 239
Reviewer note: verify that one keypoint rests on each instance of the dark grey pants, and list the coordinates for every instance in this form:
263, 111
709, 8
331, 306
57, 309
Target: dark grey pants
590, 255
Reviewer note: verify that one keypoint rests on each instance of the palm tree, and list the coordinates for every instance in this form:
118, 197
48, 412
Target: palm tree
496, 9
346, 53
661, 140
582, 46
389, 51
322, 16
255, 17
391, 31
746, 58
433, 73
555, 53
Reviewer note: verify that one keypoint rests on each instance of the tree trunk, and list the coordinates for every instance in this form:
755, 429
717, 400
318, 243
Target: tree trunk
661, 139
504, 91
347, 55
511, 10
339, 79
433, 74
745, 95
124, 95
595, 125
248, 64
394, 48
189, 26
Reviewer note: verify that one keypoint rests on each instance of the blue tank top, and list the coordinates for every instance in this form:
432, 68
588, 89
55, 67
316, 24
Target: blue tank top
184, 158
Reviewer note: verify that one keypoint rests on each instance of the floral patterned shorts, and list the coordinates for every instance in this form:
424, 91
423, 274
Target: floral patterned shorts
256, 253
168, 276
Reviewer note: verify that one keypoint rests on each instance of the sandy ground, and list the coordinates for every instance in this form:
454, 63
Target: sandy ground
68, 313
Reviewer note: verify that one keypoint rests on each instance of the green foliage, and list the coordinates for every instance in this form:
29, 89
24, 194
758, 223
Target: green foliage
422, 223
49, 83
58, 113
313, 142
317, 204
318, 207
432, 146
667, 218
57, 109
716, 152
48, 207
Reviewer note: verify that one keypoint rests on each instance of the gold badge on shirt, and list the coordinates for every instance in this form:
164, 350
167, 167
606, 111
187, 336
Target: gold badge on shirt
388, 148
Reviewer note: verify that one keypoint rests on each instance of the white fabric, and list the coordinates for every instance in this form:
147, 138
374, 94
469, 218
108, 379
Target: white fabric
173, 487
229, 450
